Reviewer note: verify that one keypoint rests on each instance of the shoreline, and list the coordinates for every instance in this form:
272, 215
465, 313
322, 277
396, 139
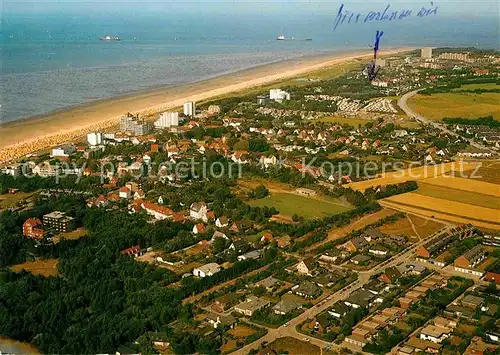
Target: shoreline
24, 136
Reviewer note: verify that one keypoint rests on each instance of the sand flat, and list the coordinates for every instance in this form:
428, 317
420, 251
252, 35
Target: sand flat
25, 136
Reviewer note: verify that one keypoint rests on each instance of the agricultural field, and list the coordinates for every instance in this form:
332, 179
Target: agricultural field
412, 226
291, 346
465, 185
42, 267
458, 195
456, 104
489, 171
289, 204
415, 174
444, 209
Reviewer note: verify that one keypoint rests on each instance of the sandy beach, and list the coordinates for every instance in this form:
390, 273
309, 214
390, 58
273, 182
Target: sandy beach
21, 137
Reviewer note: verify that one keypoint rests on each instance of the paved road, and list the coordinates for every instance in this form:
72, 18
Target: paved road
402, 103
363, 278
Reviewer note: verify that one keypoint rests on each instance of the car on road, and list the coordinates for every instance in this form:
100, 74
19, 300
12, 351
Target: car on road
305, 339
286, 324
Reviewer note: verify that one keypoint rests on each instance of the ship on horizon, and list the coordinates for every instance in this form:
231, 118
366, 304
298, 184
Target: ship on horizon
109, 38
281, 37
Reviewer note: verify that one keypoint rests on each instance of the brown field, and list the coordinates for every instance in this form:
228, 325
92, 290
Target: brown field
445, 206
463, 196
241, 331
418, 173
400, 227
76, 234
337, 233
292, 345
431, 211
11, 200
423, 227
10, 346
42, 267
470, 185
230, 345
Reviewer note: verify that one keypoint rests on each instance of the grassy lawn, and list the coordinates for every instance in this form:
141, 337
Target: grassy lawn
290, 204
466, 105
472, 198
42, 267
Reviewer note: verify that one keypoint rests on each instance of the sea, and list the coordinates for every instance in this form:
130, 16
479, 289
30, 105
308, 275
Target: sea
51, 56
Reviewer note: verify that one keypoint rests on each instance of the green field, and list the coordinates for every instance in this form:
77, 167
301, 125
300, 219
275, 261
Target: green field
478, 86
458, 104
289, 204
450, 194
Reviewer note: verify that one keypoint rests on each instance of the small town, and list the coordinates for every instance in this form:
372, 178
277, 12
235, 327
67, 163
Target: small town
325, 214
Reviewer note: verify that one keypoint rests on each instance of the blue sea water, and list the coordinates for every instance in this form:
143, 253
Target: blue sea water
51, 57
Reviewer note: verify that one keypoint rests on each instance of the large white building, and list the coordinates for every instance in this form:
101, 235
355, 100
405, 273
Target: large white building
426, 53
63, 151
190, 108
95, 138
167, 119
278, 95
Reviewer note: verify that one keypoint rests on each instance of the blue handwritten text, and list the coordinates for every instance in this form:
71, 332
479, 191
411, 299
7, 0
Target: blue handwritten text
345, 16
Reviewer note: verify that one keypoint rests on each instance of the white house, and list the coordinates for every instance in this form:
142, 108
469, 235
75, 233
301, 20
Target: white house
198, 210
222, 222
125, 192
206, 270
64, 151
268, 161
435, 334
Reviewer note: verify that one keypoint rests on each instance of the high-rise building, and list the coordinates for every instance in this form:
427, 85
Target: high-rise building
190, 108
426, 53
95, 138
167, 119
134, 125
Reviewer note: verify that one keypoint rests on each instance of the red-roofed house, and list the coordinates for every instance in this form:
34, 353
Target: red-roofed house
266, 237
199, 228
132, 251
157, 211
125, 192
32, 228
492, 277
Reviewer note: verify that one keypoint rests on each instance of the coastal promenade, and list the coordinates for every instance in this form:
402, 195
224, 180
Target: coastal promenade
27, 136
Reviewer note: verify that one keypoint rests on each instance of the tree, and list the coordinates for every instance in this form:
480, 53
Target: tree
261, 191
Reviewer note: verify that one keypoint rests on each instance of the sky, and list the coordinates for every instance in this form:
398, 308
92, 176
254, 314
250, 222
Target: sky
469, 8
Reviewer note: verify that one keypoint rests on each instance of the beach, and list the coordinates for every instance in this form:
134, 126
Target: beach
22, 137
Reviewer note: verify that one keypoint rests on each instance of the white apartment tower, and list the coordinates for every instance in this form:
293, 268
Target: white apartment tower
426, 53
167, 120
95, 138
190, 108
